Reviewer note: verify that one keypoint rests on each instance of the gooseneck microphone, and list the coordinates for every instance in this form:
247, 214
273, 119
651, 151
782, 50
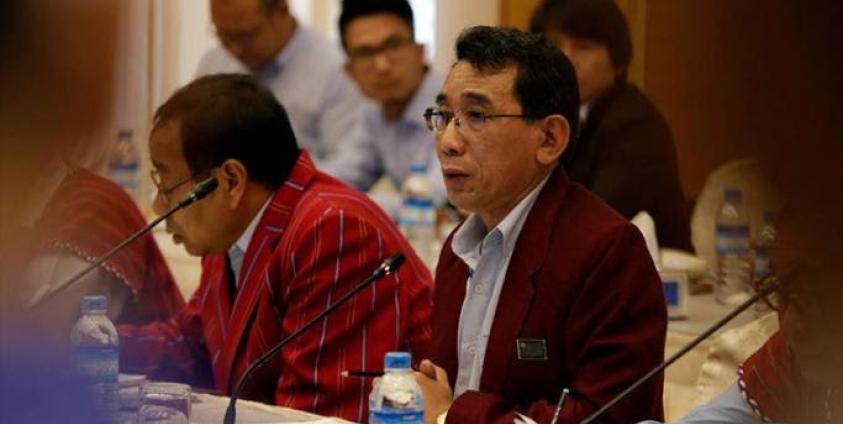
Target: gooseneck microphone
201, 190
387, 267
769, 285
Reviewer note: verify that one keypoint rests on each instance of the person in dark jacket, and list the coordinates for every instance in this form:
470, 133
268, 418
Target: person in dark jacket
624, 151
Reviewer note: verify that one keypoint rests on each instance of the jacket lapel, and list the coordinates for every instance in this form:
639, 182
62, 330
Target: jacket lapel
518, 290
252, 279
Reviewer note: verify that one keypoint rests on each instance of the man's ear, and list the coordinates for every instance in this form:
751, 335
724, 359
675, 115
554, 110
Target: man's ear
233, 176
556, 133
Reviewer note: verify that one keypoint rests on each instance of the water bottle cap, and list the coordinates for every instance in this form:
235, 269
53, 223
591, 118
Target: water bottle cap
397, 361
418, 167
732, 195
94, 304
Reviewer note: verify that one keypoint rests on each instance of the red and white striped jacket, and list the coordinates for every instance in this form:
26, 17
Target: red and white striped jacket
316, 240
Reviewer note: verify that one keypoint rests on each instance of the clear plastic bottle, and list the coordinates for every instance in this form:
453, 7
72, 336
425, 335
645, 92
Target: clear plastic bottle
733, 250
418, 214
397, 397
124, 164
96, 356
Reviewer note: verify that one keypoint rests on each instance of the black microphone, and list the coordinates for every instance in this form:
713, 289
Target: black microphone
201, 190
768, 285
387, 267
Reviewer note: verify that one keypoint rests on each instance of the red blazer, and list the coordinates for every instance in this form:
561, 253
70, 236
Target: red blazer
581, 280
317, 239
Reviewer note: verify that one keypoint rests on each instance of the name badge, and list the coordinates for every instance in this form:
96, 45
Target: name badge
531, 349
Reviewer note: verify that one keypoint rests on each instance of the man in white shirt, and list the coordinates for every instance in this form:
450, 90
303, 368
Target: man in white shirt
303, 71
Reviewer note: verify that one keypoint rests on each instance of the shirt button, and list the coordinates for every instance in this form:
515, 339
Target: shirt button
472, 350
479, 288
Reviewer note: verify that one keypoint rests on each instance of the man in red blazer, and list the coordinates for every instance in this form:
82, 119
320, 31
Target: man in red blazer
280, 242
544, 286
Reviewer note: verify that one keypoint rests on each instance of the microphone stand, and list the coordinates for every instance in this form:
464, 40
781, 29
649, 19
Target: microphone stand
387, 267
202, 189
767, 289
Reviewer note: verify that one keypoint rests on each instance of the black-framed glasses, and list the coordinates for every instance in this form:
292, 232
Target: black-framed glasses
364, 57
438, 119
167, 191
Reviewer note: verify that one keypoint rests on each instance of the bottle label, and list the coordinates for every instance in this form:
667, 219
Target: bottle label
390, 416
97, 364
732, 239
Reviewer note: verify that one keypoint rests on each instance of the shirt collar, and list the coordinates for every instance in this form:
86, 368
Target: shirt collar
242, 243
472, 238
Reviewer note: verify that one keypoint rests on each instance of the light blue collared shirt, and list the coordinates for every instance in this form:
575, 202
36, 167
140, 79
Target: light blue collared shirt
323, 104
238, 250
487, 255
728, 408
391, 147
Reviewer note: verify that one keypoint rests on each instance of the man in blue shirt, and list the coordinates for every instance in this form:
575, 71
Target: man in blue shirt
389, 67
261, 37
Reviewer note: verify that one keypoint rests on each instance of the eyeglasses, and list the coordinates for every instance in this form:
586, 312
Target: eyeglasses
438, 119
364, 57
166, 191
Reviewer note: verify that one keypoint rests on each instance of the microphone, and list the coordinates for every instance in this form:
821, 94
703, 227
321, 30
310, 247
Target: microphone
387, 267
768, 285
201, 190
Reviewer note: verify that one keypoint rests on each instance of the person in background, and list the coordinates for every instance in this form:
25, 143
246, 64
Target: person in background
543, 286
389, 67
797, 376
280, 242
624, 151
302, 70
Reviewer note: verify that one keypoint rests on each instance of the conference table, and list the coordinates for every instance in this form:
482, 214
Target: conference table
210, 409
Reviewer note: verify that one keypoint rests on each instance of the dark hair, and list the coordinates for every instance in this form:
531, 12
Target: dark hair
353, 9
231, 116
545, 83
597, 20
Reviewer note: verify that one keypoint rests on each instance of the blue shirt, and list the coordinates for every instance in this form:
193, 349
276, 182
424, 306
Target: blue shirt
323, 104
391, 147
728, 408
487, 255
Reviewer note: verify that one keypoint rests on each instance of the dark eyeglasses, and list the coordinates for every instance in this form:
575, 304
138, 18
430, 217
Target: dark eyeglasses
437, 119
166, 191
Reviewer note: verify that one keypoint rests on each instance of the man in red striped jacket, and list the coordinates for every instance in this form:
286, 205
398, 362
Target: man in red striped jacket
280, 241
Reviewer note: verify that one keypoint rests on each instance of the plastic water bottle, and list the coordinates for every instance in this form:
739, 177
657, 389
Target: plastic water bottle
397, 397
732, 249
124, 164
418, 214
95, 349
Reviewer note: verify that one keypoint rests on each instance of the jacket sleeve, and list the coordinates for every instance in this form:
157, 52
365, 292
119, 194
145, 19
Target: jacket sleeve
615, 333
172, 350
333, 250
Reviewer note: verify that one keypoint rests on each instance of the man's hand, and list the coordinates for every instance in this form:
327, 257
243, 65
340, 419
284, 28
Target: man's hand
437, 393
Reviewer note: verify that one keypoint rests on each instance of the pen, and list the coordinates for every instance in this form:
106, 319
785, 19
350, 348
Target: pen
560, 405
362, 374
